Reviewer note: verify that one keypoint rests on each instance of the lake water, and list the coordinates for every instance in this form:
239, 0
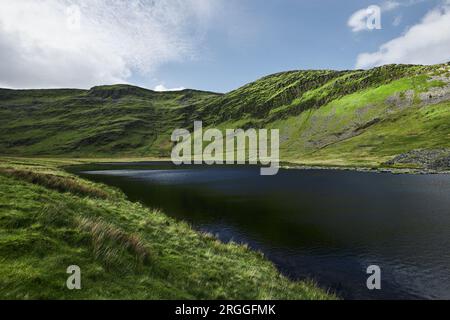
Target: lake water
325, 225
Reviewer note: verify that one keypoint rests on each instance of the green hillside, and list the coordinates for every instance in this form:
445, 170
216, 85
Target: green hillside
363, 117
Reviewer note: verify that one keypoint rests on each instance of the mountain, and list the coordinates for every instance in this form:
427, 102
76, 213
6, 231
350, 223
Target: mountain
353, 117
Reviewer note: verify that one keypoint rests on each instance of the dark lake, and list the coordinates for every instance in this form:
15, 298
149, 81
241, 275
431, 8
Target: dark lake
325, 225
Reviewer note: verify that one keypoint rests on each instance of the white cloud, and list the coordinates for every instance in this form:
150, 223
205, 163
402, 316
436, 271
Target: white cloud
39, 47
358, 20
427, 42
162, 88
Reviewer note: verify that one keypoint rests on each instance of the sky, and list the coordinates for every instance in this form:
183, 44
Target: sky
214, 45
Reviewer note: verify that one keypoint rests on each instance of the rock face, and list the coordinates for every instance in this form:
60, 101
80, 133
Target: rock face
436, 95
432, 159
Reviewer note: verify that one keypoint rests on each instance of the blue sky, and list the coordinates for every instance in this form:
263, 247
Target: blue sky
285, 35
215, 45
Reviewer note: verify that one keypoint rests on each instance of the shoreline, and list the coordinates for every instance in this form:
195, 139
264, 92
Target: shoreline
337, 175
68, 162
413, 171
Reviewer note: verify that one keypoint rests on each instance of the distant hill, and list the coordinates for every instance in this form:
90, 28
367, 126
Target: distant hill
349, 117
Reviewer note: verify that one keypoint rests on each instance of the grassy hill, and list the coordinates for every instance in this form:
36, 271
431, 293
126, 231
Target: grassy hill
362, 117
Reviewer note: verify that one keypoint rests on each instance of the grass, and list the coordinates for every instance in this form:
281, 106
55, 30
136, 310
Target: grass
124, 250
421, 128
108, 240
55, 182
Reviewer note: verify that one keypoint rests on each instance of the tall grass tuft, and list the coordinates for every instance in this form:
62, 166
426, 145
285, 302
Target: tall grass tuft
59, 183
110, 242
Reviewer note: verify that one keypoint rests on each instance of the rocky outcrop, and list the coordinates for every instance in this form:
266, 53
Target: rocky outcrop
431, 159
435, 95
